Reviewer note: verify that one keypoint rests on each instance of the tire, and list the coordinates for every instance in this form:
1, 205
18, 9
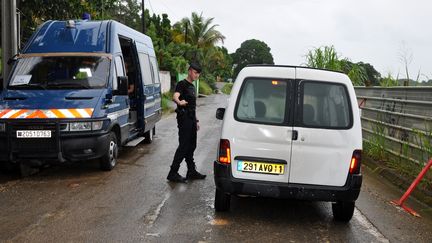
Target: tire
222, 201
148, 136
109, 160
343, 211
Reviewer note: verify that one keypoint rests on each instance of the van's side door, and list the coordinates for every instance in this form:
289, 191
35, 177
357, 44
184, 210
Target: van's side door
118, 110
151, 90
323, 120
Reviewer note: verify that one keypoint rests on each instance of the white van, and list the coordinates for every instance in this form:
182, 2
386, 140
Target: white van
290, 132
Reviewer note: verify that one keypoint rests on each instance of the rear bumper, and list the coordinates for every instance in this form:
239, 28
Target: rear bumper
228, 184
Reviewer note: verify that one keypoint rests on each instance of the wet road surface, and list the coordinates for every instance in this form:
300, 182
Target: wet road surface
135, 203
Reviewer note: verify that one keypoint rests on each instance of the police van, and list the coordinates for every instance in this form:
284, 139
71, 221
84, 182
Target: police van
290, 132
78, 91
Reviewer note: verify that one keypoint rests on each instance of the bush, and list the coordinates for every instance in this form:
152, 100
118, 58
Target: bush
204, 88
167, 105
226, 89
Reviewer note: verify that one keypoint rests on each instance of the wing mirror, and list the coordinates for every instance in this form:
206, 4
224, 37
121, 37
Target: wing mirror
220, 113
122, 82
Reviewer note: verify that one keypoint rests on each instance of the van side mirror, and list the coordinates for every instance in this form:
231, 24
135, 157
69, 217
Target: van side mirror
220, 113
12, 60
122, 84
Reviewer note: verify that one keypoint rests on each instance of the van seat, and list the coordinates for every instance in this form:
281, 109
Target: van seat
260, 109
309, 115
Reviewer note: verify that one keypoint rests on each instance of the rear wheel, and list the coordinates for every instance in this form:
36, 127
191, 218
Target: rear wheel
343, 211
109, 160
148, 136
222, 201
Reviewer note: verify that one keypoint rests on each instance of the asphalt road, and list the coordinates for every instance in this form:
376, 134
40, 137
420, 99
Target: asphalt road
135, 203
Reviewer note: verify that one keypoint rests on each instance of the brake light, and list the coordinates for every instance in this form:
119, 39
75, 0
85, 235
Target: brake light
355, 162
224, 151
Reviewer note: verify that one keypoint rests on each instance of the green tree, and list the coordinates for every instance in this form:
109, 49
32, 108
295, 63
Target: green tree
325, 58
35, 12
198, 31
251, 52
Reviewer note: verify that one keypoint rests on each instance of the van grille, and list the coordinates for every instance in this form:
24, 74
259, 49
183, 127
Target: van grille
27, 147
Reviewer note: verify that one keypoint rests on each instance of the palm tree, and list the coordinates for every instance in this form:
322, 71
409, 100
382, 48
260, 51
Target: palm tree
197, 31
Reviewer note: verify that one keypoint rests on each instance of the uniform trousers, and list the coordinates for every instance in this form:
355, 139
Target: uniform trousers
187, 133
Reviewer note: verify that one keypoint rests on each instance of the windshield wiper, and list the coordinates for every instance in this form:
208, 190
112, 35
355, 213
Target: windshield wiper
28, 86
59, 85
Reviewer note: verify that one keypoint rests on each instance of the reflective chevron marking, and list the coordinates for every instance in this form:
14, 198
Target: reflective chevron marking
47, 113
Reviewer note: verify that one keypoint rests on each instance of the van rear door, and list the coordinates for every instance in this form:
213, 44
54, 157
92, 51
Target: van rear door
260, 136
324, 122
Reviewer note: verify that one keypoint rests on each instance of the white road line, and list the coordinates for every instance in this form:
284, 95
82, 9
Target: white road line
369, 227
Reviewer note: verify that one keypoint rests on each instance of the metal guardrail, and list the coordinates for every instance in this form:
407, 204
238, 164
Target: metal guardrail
398, 120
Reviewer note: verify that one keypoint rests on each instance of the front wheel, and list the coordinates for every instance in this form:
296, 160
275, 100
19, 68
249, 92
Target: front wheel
343, 211
148, 136
222, 201
109, 160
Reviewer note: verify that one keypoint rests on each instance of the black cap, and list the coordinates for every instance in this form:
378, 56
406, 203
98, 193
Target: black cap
195, 66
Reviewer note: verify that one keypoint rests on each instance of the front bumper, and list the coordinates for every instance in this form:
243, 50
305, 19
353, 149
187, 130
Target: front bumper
60, 147
227, 183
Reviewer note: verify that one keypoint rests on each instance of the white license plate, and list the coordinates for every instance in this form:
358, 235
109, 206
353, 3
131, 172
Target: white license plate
260, 167
33, 134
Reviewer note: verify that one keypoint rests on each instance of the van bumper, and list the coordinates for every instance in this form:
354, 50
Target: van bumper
61, 147
227, 183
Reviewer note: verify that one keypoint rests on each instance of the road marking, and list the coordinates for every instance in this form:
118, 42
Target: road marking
369, 226
152, 218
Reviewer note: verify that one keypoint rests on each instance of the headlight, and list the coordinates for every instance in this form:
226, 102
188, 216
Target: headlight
97, 125
83, 126
2, 127
79, 126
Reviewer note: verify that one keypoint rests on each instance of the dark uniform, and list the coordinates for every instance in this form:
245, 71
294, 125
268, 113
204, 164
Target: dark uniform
187, 132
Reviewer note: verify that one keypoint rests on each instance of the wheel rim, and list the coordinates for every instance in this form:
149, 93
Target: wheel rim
112, 152
151, 134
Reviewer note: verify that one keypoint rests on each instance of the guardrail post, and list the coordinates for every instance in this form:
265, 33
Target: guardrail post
410, 189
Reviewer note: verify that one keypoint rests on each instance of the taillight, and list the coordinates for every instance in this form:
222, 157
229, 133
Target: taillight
224, 151
355, 162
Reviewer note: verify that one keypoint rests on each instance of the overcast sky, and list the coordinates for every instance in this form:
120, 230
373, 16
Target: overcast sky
378, 32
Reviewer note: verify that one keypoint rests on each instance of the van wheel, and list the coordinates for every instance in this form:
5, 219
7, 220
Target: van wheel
343, 211
222, 201
109, 160
148, 136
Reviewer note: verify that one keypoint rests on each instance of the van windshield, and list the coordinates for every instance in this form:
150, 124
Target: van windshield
65, 72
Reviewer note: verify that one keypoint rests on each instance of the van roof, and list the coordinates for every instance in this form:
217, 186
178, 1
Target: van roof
291, 66
78, 36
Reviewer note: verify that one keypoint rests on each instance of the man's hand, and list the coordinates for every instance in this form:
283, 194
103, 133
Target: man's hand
182, 103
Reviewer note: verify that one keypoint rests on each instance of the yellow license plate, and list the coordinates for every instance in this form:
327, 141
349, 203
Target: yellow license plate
259, 167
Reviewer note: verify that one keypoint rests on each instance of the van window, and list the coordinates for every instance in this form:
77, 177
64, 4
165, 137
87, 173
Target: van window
145, 68
118, 71
61, 72
262, 101
325, 105
155, 69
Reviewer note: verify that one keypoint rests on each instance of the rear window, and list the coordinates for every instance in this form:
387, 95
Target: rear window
325, 105
262, 101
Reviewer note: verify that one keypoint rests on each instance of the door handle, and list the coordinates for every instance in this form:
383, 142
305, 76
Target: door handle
294, 135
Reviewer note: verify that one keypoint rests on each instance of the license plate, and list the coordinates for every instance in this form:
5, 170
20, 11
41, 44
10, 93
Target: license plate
259, 167
33, 134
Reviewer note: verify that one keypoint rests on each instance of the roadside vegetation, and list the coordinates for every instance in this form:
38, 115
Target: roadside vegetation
167, 103
226, 89
204, 88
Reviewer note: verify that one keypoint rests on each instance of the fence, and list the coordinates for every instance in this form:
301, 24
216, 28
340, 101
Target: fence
398, 120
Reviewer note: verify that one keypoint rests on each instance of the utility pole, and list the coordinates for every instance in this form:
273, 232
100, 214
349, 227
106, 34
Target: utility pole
9, 36
143, 17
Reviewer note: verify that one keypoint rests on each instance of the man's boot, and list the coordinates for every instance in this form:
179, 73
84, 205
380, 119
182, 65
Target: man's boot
194, 175
175, 177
